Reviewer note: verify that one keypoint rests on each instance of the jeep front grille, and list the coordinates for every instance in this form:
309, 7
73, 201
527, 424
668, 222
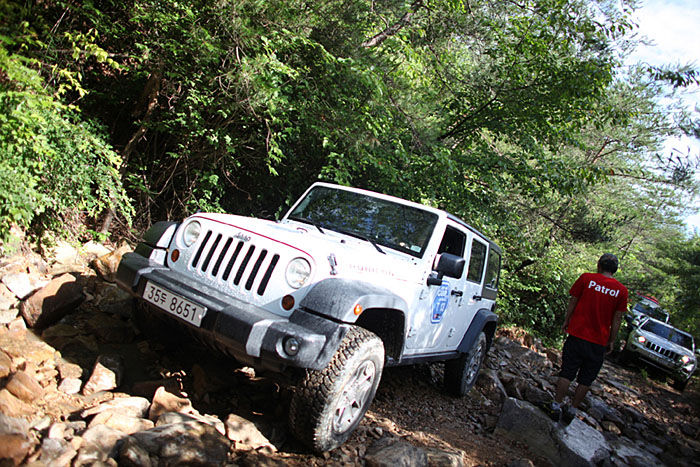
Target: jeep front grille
661, 351
215, 262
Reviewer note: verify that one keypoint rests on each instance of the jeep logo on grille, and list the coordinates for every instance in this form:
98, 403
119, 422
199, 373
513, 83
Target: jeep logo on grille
242, 237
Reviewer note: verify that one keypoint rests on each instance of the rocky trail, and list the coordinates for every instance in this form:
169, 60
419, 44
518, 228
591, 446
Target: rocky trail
79, 385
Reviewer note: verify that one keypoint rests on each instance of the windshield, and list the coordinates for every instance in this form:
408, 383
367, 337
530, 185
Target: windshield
669, 333
656, 313
392, 225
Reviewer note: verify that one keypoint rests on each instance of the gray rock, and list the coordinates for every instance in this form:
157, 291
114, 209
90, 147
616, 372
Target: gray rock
56, 451
132, 406
576, 444
626, 453
19, 284
164, 402
70, 385
398, 454
99, 444
176, 417
491, 385
632, 414
535, 395
69, 370
601, 411
245, 433
65, 254
115, 418
190, 443
8, 314
580, 444
132, 454
66, 430
521, 463
521, 421
441, 458
15, 443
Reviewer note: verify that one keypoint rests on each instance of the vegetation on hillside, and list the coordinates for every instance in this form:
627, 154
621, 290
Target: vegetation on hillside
518, 116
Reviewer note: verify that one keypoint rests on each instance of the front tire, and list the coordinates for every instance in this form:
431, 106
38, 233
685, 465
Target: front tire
329, 404
625, 358
680, 384
462, 372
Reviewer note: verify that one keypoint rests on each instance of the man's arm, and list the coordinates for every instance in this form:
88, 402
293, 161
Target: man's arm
614, 328
569, 311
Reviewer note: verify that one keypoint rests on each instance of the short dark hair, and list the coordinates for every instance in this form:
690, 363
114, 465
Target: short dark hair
608, 263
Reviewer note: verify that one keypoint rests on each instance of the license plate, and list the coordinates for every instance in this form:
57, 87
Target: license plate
174, 304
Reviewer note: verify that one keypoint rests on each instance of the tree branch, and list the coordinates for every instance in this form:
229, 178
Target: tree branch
394, 28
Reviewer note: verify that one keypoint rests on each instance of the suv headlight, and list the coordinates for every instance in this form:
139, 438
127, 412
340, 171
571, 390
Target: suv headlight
191, 233
685, 359
298, 272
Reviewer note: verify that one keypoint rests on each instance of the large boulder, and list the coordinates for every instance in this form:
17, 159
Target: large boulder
51, 303
574, 445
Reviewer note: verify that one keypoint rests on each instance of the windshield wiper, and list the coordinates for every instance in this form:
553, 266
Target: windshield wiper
307, 221
361, 237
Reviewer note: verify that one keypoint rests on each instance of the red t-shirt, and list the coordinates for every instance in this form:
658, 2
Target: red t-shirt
599, 297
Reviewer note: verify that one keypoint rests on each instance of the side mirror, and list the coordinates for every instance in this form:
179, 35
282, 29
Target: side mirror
446, 264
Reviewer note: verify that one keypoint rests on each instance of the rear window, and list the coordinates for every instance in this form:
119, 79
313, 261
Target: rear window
477, 260
493, 267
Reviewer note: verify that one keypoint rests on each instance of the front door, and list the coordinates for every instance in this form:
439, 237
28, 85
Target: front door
430, 328
470, 301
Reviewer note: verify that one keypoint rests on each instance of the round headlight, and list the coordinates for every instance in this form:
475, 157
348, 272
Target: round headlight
685, 359
298, 272
641, 339
191, 233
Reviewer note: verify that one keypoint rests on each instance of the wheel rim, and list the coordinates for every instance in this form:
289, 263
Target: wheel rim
352, 402
475, 362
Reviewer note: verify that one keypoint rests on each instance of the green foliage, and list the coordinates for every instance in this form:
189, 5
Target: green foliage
516, 116
52, 162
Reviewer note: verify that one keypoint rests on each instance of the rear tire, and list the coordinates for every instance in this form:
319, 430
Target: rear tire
461, 373
329, 404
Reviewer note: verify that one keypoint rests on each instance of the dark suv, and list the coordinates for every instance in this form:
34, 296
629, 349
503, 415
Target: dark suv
661, 346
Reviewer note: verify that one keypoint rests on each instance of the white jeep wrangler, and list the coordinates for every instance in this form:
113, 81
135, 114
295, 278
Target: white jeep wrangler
349, 281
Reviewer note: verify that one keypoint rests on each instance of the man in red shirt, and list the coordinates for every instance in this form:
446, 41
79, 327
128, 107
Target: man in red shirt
593, 318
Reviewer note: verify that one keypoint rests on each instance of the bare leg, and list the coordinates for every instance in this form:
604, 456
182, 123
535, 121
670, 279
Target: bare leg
562, 388
581, 391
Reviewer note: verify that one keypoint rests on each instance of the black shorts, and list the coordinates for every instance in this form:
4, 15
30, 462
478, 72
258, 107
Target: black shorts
583, 358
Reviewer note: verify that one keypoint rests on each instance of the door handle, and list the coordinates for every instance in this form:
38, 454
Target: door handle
457, 293
477, 297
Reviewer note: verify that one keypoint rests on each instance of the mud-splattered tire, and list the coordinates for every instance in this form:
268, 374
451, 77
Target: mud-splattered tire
461, 373
329, 404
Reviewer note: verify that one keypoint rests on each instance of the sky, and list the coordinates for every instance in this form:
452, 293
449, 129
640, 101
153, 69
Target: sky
674, 28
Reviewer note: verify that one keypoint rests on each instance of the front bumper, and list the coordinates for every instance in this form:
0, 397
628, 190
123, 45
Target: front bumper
667, 365
248, 333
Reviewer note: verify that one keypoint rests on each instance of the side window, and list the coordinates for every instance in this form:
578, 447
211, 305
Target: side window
477, 260
453, 242
493, 268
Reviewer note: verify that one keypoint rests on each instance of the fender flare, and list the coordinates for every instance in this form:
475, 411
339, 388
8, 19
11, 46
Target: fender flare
337, 298
482, 318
